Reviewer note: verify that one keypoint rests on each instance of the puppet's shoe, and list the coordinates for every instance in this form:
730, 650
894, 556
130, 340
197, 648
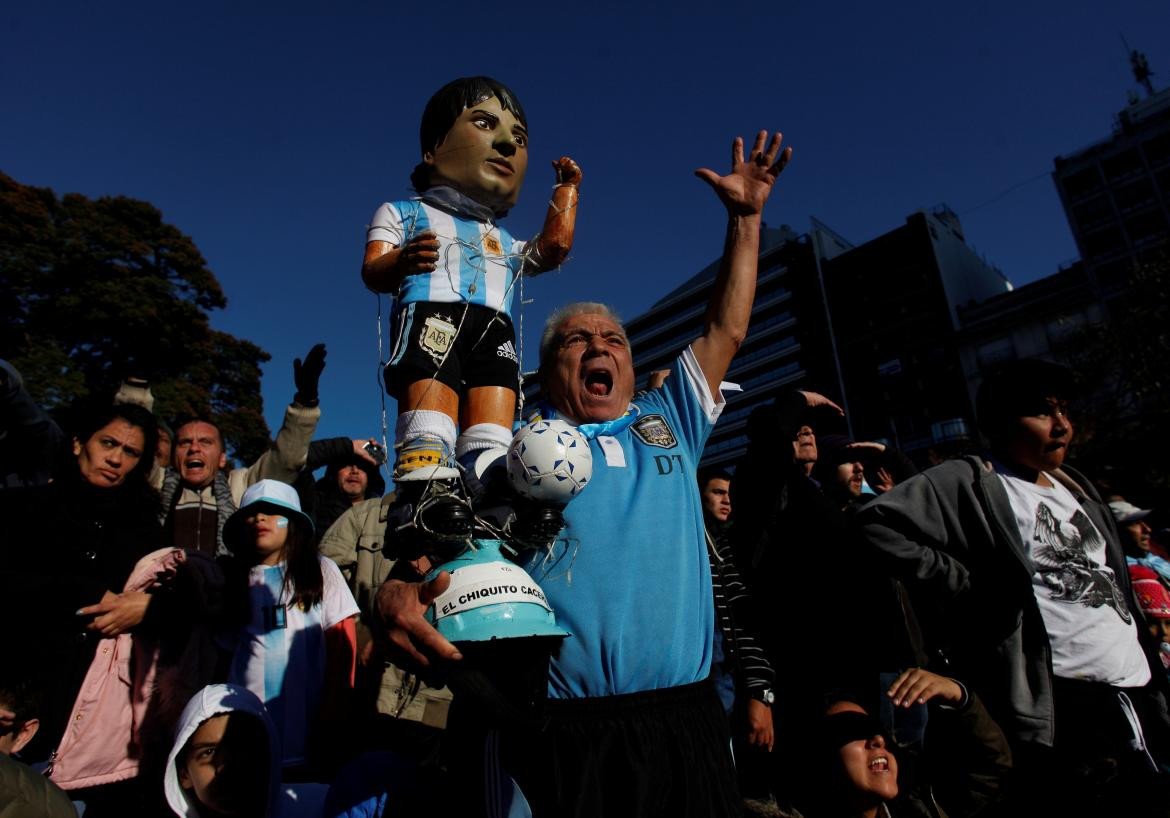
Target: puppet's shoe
430, 515
492, 497
534, 525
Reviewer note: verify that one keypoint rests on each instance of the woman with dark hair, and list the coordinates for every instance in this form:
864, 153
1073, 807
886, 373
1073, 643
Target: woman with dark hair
864, 771
861, 771
297, 641
68, 549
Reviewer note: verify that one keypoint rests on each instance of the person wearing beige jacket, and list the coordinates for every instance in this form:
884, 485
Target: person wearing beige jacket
397, 709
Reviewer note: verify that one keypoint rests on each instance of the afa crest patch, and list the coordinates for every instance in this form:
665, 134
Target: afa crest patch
653, 430
437, 335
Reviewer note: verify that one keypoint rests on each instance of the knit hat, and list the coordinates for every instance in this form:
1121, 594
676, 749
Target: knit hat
270, 496
1125, 513
1152, 595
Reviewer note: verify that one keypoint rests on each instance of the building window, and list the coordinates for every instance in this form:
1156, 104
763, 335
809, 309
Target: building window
1146, 226
1103, 242
1134, 195
1082, 182
1122, 165
1157, 149
1092, 213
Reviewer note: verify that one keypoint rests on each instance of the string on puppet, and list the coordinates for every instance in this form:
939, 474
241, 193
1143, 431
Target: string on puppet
531, 258
520, 349
387, 467
474, 256
570, 543
469, 251
479, 270
379, 379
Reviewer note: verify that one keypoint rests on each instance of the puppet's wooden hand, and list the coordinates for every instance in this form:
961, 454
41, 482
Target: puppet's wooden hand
745, 190
568, 172
419, 254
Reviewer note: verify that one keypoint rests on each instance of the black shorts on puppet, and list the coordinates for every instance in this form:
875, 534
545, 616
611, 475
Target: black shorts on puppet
463, 351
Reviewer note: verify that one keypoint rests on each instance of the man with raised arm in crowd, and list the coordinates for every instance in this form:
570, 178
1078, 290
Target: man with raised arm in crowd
631, 725
198, 496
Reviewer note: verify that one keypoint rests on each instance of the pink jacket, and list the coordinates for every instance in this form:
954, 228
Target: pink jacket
104, 740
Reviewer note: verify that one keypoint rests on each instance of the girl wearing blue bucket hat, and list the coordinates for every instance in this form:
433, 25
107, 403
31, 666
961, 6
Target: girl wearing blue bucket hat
297, 643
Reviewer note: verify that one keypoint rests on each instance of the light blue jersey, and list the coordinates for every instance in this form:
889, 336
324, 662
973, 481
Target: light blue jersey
630, 578
281, 653
479, 261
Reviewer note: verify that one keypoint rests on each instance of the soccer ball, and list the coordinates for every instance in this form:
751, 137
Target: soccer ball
549, 461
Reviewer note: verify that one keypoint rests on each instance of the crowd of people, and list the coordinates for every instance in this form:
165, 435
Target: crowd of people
821, 631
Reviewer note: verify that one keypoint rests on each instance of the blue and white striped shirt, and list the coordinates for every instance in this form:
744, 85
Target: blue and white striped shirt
479, 261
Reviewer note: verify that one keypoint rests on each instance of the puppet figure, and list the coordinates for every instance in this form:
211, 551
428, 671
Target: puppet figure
454, 369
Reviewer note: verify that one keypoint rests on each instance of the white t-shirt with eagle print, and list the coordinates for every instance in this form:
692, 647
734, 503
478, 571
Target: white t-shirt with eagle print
1090, 628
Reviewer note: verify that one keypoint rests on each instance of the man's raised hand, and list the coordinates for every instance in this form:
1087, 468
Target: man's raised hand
745, 190
814, 400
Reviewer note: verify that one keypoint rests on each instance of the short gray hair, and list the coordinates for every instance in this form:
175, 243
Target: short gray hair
548, 337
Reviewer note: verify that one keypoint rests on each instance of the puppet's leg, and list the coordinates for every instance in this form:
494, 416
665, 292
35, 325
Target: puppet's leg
482, 453
482, 448
424, 434
423, 442
429, 508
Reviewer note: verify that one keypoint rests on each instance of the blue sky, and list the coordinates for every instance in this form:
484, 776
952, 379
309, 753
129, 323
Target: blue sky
270, 133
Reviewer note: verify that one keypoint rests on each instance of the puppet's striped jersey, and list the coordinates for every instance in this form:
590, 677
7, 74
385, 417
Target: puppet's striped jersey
479, 262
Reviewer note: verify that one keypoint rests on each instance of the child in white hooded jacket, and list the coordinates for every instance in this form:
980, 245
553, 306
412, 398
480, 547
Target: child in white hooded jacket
226, 761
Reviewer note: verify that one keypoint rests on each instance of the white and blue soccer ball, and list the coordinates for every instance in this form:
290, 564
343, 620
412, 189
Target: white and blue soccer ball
549, 461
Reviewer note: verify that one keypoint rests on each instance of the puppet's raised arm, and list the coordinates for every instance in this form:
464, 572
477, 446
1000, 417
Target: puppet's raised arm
552, 246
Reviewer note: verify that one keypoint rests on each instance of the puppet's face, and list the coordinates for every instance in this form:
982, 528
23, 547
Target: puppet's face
484, 155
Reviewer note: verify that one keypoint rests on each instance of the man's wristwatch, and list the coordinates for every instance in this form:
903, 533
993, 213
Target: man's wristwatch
764, 695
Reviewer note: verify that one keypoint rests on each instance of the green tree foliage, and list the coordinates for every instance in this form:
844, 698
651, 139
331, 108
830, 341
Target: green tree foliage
1124, 367
94, 290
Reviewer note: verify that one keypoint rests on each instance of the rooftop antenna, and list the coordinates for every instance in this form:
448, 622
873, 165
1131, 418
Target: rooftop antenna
1140, 66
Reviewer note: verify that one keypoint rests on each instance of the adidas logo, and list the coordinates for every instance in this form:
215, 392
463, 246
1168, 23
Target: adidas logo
507, 350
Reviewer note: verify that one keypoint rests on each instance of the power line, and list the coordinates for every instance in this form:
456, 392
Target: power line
1005, 193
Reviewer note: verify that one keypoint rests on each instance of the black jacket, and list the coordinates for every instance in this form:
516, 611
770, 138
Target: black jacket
64, 546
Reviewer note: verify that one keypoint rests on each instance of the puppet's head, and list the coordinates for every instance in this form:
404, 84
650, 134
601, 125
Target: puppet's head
474, 137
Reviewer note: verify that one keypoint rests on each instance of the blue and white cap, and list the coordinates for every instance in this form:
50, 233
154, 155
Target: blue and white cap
270, 496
